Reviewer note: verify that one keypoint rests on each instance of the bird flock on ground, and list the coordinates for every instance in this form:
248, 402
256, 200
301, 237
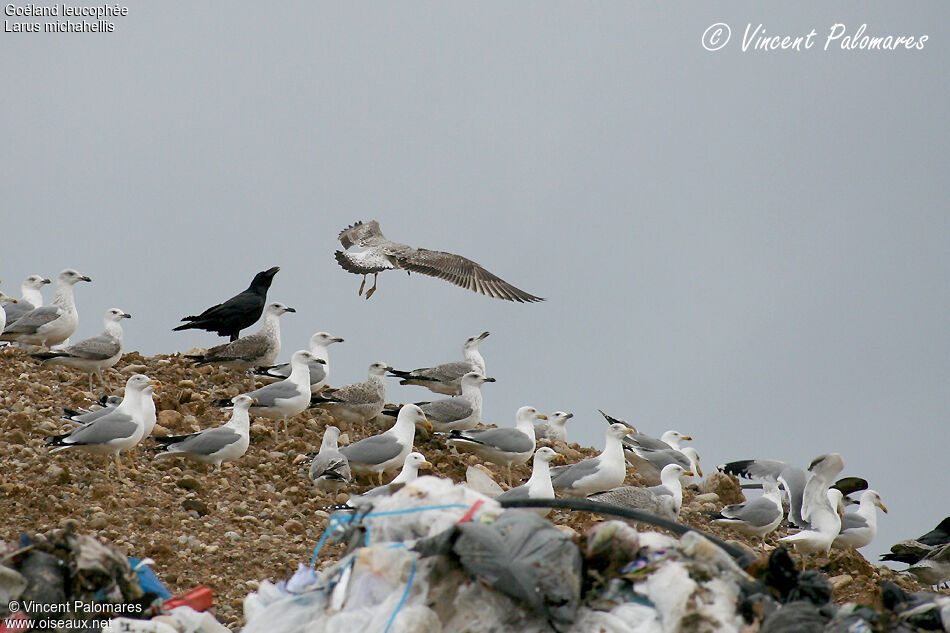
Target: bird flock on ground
817, 504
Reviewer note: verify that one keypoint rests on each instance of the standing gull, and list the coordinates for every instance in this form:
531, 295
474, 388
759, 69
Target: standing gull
446, 378
357, 403
934, 568
284, 399
597, 474
824, 521
638, 498
409, 473
757, 517
330, 470
319, 372
539, 484
92, 354
669, 439
791, 477
30, 298
858, 528
214, 446
239, 312
255, 350
457, 413
5, 300
118, 431
671, 485
382, 254
555, 428
388, 450
49, 325
504, 447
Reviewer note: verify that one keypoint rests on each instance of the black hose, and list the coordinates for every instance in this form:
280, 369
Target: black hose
742, 558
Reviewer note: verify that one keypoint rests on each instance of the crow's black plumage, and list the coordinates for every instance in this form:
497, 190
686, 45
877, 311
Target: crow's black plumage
238, 312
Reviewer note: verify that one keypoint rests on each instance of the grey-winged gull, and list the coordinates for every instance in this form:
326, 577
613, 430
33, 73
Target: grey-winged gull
504, 447
637, 498
30, 298
357, 403
446, 378
824, 521
650, 462
388, 450
319, 372
410, 472
539, 484
149, 418
92, 414
791, 477
859, 527
239, 312
49, 325
758, 517
603, 472
383, 254
5, 300
329, 469
118, 431
224, 443
669, 439
94, 354
455, 413
934, 568
671, 485
555, 428
254, 350
284, 399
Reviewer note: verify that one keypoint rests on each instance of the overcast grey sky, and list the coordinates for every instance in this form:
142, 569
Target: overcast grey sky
750, 247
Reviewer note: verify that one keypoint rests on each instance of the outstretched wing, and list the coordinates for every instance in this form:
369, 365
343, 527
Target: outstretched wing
462, 272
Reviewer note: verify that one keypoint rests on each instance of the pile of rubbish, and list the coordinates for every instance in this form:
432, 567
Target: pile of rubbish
62, 580
438, 556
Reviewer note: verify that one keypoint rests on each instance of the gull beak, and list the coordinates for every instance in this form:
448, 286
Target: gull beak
86, 278
629, 431
14, 301
156, 385
481, 337
290, 310
336, 340
699, 470
489, 380
46, 281
541, 416
426, 464
254, 400
428, 424
882, 507
559, 458
686, 437
126, 315
689, 473
568, 416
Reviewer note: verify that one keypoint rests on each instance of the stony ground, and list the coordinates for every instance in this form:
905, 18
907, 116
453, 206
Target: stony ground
258, 517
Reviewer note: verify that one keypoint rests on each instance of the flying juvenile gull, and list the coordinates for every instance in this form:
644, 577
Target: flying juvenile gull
913, 550
504, 447
824, 521
357, 403
239, 312
330, 470
671, 485
118, 431
597, 474
934, 568
224, 443
30, 298
410, 472
49, 325
858, 528
791, 477
255, 350
758, 517
456, 413
382, 254
637, 498
92, 354
554, 428
319, 372
5, 300
539, 484
669, 439
446, 378
650, 462
388, 450
284, 399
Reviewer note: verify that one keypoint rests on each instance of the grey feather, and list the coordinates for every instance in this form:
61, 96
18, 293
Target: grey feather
372, 450
34, 320
507, 440
207, 442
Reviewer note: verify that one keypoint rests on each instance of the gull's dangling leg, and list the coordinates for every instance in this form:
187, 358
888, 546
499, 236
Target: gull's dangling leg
369, 293
362, 285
